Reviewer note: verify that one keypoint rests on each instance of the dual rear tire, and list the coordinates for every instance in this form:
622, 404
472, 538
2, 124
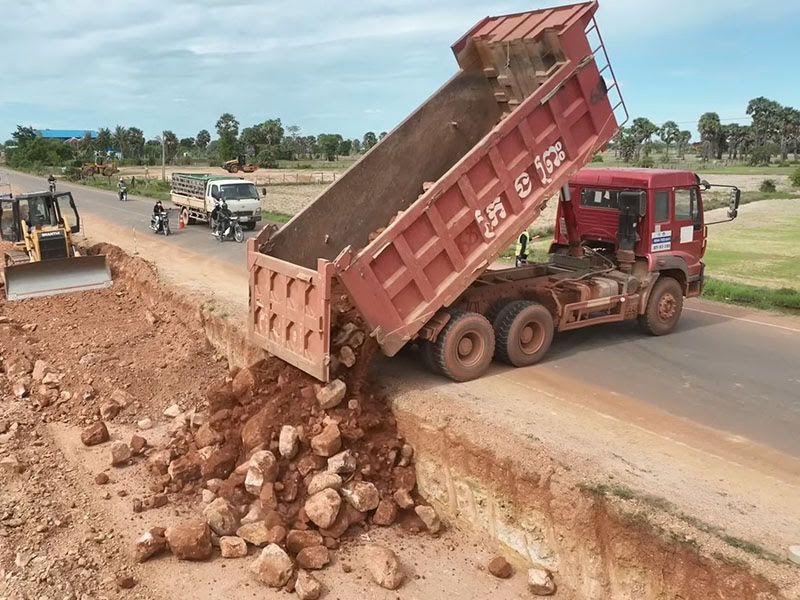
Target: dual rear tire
519, 334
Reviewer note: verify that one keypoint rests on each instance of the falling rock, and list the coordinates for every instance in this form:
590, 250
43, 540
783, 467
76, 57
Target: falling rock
383, 566
20, 388
51, 380
347, 357
144, 424
323, 507
257, 533
313, 557
244, 383
123, 398
297, 539
151, 542
385, 514
40, 369
327, 443
322, 481
288, 441
262, 468
362, 495
273, 566
500, 567
231, 546
109, 410
332, 394
190, 540
540, 582
342, 463
307, 587
183, 470
94, 434
207, 436
429, 517
403, 499
172, 411
221, 517
138, 444
120, 453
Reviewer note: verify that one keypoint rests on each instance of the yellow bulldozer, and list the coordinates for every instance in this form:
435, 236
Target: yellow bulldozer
44, 261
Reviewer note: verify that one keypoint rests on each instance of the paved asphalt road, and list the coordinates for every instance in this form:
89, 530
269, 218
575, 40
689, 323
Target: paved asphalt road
135, 214
727, 368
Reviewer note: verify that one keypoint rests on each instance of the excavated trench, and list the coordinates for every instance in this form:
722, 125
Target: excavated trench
534, 508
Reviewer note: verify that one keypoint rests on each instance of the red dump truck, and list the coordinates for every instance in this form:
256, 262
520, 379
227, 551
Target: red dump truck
411, 229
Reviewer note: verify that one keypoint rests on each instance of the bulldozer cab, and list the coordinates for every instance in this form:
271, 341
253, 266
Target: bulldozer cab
44, 261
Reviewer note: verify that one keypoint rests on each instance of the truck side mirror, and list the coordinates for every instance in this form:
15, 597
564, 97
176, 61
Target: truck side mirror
733, 208
704, 184
633, 202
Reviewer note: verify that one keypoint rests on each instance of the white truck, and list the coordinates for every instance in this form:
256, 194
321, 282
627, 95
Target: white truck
197, 193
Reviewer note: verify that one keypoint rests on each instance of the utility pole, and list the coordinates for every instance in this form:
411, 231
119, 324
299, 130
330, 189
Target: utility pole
163, 158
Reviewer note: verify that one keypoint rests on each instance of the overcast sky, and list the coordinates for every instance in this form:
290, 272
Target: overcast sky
350, 67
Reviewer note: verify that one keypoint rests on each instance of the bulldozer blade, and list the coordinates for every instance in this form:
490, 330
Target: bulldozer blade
59, 276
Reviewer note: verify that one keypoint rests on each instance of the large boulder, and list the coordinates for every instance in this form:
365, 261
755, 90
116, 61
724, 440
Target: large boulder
221, 517
323, 507
383, 566
273, 566
190, 540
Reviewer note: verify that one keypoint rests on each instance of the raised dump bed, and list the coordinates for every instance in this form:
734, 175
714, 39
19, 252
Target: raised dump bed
412, 224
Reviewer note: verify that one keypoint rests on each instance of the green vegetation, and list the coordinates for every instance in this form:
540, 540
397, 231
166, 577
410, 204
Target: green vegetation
768, 186
275, 217
751, 295
794, 177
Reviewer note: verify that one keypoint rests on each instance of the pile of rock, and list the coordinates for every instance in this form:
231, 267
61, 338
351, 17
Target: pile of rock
287, 467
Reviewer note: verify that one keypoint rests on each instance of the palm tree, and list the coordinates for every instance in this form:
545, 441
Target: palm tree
119, 137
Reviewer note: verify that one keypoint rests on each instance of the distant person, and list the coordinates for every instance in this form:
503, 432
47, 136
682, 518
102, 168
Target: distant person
522, 248
133, 181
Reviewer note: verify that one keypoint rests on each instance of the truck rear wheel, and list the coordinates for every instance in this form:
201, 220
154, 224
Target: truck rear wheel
664, 307
465, 346
523, 332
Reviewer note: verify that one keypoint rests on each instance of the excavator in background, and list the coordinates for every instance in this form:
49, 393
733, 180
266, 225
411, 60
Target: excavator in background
44, 260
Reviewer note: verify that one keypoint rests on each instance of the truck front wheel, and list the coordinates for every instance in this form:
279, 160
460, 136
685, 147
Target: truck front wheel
523, 332
664, 307
464, 348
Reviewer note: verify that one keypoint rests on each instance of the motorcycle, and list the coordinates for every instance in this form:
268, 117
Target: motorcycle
232, 230
160, 223
52, 186
123, 194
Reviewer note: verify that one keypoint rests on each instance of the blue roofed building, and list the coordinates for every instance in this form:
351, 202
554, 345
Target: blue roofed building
66, 134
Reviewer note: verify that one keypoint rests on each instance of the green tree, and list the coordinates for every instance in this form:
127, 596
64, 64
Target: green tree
642, 130
228, 132
23, 135
683, 139
170, 145
344, 147
329, 144
370, 139
103, 141
356, 146
669, 133
187, 142
202, 139
789, 127
252, 139
710, 131
273, 132
766, 117
382, 135
118, 138
134, 142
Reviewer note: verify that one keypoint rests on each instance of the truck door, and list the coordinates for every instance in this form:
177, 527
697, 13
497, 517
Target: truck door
687, 228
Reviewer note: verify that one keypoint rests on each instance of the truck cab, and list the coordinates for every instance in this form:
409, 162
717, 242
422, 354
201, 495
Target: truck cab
241, 197
669, 231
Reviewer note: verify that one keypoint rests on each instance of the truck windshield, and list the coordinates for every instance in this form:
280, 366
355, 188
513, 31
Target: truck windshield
600, 198
239, 191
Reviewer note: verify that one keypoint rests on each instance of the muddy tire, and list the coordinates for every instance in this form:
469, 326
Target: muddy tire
496, 309
664, 307
233, 169
523, 333
464, 348
426, 354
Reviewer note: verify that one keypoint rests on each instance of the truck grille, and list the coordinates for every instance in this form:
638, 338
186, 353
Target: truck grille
53, 245
244, 213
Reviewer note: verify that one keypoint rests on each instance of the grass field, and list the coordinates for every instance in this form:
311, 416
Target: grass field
755, 260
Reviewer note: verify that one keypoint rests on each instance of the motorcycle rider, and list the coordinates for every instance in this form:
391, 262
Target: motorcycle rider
223, 218
158, 214
51, 182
